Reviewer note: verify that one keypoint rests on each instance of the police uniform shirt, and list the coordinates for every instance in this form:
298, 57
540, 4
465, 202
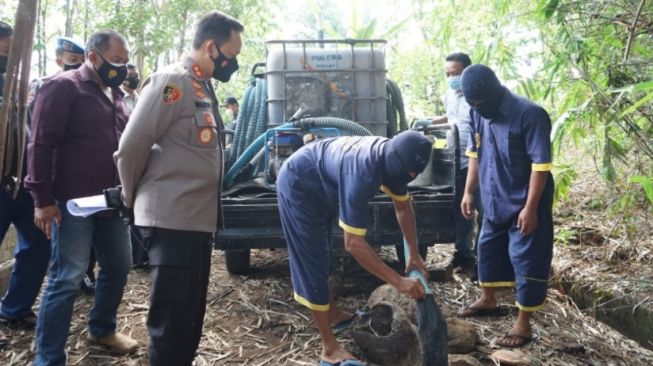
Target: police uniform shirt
170, 155
348, 173
508, 148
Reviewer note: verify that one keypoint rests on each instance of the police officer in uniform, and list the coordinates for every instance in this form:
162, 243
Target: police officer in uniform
170, 165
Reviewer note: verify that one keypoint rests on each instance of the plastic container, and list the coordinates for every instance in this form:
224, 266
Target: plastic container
345, 80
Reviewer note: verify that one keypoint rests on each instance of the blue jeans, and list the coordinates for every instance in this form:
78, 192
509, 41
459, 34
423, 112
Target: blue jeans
464, 227
71, 246
32, 255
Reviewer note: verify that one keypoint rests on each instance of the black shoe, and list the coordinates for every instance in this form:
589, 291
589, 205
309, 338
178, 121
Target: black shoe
26, 322
88, 285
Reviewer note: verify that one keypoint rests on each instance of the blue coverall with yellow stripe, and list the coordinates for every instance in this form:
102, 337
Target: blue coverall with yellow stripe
508, 148
322, 179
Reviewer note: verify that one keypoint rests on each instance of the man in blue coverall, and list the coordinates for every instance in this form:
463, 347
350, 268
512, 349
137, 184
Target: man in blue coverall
510, 155
340, 175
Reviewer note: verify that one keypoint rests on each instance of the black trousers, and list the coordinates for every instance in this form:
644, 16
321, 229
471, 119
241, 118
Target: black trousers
139, 252
180, 262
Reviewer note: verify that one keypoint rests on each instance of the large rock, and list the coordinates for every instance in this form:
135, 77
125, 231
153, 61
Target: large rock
386, 336
463, 360
389, 294
462, 336
510, 357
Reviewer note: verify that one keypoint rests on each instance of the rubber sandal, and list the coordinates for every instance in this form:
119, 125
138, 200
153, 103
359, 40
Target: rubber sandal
468, 311
347, 323
342, 363
523, 340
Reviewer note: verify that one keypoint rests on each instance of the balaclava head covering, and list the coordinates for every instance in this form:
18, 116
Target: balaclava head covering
409, 151
480, 84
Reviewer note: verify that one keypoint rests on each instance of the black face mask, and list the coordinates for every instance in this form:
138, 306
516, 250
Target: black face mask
224, 67
67, 67
3, 65
111, 74
487, 110
132, 82
394, 172
480, 84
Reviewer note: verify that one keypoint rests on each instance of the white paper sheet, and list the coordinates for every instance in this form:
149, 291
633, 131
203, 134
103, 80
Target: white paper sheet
87, 206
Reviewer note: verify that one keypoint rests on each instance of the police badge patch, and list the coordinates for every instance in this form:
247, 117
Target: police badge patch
205, 135
171, 94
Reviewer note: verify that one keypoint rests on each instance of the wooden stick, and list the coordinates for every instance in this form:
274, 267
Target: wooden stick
631, 31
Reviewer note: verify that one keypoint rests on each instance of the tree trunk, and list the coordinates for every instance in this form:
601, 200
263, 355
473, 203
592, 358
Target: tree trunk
86, 19
43, 54
15, 89
182, 34
70, 14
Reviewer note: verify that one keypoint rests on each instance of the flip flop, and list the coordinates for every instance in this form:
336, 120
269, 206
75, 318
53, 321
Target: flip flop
469, 311
347, 323
342, 363
523, 340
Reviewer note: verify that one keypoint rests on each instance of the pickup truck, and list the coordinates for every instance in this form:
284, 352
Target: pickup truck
252, 217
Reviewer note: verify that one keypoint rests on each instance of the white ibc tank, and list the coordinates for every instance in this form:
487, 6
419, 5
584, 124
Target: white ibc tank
342, 82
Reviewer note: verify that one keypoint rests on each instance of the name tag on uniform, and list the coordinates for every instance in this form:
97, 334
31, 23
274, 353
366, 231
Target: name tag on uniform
202, 105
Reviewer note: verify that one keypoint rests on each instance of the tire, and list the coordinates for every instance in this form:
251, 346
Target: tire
237, 260
399, 249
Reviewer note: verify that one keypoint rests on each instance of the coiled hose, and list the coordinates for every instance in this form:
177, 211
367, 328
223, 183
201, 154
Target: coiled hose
395, 109
252, 120
307, 123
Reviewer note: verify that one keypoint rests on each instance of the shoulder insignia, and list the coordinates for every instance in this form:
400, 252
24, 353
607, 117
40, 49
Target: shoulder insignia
208, 119
199, 90
478, 140
171, 94
197, 71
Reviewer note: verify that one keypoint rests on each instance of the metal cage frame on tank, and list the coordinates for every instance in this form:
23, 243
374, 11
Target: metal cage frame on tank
375, 118
271, 136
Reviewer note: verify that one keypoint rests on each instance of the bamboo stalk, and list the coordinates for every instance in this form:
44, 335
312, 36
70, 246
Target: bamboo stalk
15, 89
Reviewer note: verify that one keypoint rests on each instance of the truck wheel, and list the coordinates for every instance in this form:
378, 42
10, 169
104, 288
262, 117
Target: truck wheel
237, 260
423, 251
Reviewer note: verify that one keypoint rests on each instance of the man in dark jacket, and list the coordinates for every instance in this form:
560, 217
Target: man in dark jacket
80, 115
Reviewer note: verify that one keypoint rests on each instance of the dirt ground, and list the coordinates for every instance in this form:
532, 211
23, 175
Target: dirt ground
252, 320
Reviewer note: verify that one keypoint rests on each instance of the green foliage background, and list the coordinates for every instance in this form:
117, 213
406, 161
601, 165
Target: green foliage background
589, 63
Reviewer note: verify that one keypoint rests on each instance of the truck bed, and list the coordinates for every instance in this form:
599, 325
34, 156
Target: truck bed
256, 221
